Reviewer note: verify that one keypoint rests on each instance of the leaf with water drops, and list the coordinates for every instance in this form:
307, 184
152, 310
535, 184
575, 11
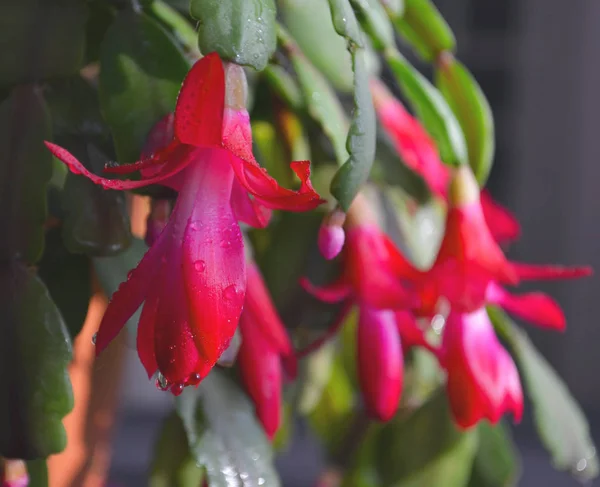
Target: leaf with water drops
35, 350
41, 39
25, 169
431, 108
424, 27
345, 21
224, 434
240, 31
473, 112
559, 420
309, 23
112, 271
142, 71
361, 139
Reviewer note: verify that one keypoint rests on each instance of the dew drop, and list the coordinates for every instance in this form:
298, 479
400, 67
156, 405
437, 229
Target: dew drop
195, 377
94, 337
161, 382
230, 292
581, 465
200, 265
225, 243
177, 389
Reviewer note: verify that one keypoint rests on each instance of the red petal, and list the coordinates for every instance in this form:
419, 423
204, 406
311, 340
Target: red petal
129, 296
535, 307
264, 315
145, 330
501, 222
170, 162
200, 105
380, 362
547, 272
213, 255
247, 209
410, 333
260, 369
335, 292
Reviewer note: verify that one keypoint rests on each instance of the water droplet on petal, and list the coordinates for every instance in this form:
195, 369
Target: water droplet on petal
177, 389
195, 378
161, 382
200, 265
94, 337
225, 243
581, 465
230, 292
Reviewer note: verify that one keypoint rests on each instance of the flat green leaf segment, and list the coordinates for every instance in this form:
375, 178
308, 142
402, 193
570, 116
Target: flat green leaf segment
224, 435
142, 71
34, 353
431, 109
240, 31
25, 169
41, 39
469, 104
361, 139
559, 420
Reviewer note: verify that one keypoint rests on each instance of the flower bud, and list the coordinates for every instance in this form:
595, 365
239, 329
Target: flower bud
331, 234
463, 187
13, 473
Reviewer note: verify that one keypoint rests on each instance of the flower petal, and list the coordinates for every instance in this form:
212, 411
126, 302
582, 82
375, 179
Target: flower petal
503, 226
380, 362
535, 307
214, 269
410, 333
145, 329
548, 272
247, 209
200, 104
335, 292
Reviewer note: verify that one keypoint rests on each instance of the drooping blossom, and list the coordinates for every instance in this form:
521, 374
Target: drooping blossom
482, 378
192, 280
419, 152
265, 353
331, 234
471, 269
372, 274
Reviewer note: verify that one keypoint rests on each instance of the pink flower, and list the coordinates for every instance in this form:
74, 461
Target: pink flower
192, 280
483, 381
265, 348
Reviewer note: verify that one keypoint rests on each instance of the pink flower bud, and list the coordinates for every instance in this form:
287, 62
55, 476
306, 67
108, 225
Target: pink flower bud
13, 473
331, 234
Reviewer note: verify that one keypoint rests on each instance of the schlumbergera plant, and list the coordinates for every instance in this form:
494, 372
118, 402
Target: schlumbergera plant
364, 294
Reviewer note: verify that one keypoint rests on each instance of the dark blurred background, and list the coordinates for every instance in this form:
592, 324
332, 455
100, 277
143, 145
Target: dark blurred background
538, 61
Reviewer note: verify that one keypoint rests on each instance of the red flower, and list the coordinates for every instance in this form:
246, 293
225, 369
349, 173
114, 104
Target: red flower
470, 267
265, 346
192, 280
419, 153
483, 381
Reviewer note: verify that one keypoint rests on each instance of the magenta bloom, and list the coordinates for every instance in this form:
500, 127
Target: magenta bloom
192, 281
265, 349
483, 381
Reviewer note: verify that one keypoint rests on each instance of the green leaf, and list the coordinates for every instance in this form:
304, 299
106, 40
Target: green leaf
559, 420
25, 169
240, 31
431, 108
178, 25
309, 23
41, 39
425, 448
34, 353
101, 16
345, 22
284, 85
37, 470
322, 102
68, 279
112, 271
224, 435
473, 112
361, 139
173, 464
497, 460
424, 27
96, 223
375, 22
142, 71
313, 377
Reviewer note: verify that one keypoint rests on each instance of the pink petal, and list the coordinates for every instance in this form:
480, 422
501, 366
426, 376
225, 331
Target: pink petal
260, 369
199, 111
535, 307
410, 333
214, 269
145, 329
380, 362
547, 272
331, 240
335, 292
501, 222
247, 209
264, 315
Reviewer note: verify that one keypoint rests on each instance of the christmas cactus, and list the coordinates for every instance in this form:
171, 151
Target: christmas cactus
317, 248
